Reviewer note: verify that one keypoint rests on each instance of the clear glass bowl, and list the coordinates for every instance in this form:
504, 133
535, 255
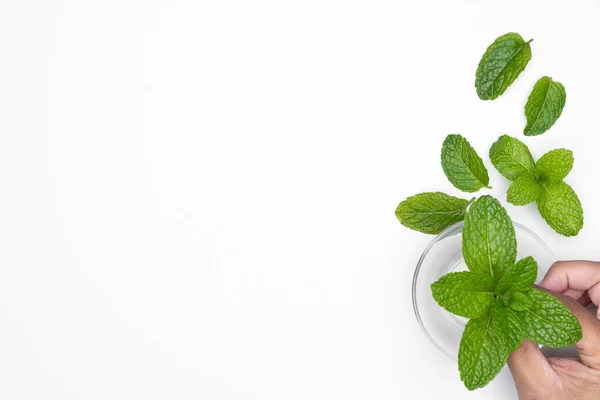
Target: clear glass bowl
443, 255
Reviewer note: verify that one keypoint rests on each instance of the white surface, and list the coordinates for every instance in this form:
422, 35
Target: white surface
197, 197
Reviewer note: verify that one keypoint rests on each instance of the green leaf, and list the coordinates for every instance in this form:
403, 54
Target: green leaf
544, 106
464, 293
461, 164
512, 158
482, 352
549, 322
520, 276
555, 165
501, 64
431, 212
523, 191
518, 301
507, 323
489, 245
561, 208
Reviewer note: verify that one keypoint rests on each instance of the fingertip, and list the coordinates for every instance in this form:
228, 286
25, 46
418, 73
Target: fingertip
550, 284
552, 280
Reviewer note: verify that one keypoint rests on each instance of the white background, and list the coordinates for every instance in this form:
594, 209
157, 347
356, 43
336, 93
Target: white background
197, 197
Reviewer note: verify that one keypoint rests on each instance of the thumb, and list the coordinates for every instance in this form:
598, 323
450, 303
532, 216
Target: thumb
589, 345
530, 369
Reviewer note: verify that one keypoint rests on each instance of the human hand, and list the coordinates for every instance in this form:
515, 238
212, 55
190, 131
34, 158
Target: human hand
576, 284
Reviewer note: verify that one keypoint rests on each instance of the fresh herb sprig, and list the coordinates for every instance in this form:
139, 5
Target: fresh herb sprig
463, 166
544, 106
501, 65
540, 181
497, 295
431, 212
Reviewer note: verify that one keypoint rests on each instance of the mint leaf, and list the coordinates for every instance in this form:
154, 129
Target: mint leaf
518, 301
549, 322
520, 276
461, 164
501, 64
482, 353
464, 293
489, 245
431, 212
561, 208
555, 165
523, 191
507, 323
512, 158
544, 106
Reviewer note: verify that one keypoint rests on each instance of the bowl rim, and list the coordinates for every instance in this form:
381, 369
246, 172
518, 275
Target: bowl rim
436, 239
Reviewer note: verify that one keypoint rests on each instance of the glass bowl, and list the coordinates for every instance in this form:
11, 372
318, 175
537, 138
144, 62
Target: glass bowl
443, 255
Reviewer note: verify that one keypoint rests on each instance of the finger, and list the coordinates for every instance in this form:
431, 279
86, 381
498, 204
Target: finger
529, 368
589, 345
572, 276
580, 295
